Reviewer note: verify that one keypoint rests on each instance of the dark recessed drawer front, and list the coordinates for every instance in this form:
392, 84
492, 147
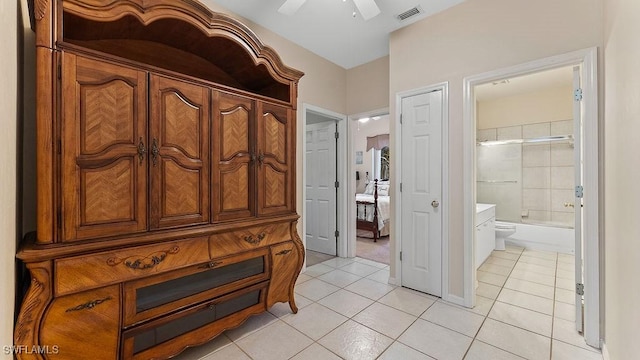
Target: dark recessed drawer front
165, 337
148, 298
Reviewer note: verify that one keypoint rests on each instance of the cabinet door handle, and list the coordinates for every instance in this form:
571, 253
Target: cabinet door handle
260, 157
141, 150
154, 152
284, 252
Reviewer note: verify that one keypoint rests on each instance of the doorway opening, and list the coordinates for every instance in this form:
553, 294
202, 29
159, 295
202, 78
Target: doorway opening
531, 175
323, 173
372, 216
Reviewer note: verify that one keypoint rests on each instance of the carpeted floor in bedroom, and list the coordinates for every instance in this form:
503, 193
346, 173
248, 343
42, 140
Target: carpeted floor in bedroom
367, 249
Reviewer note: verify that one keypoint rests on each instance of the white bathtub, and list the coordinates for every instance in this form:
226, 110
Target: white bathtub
545, 238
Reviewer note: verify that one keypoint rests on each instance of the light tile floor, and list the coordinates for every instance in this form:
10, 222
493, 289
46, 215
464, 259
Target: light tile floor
347, 310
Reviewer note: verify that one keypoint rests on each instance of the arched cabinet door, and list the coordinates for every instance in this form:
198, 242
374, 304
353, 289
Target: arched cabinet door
178, 153
276, 147
104, 129
234, 157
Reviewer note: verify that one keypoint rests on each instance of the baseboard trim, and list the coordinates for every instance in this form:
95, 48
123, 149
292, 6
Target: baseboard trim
605, 352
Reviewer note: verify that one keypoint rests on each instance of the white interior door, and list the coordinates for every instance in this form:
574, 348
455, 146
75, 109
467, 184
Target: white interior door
577, 158
320, 187
421, 248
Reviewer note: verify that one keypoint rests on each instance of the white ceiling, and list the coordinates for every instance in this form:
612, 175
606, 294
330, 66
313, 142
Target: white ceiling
327, 27
525, 84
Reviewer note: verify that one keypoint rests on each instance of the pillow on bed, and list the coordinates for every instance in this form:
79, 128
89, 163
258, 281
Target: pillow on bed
369, 189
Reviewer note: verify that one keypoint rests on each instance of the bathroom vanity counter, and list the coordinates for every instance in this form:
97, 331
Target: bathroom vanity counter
485, 212
485, 232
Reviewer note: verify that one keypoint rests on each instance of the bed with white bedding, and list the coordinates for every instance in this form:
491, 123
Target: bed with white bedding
373, 209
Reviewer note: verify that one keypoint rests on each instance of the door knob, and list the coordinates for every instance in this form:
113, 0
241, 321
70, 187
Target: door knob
435, 203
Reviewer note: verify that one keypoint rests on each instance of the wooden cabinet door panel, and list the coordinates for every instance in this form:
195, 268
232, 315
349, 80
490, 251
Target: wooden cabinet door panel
179, 153
233, 154
275, 149
83, 325
104, 180
285, 260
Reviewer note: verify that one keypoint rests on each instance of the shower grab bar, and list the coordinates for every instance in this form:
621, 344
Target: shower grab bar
498, 181
543, 139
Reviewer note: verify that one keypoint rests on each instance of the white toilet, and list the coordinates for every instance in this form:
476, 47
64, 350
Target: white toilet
503, 230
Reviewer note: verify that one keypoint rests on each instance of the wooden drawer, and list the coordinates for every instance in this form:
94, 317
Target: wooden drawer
83, 325
170, 335
248, 239
157, 295
85, 272
286, 261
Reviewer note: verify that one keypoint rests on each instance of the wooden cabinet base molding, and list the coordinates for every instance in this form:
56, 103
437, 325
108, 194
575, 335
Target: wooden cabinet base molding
166, 180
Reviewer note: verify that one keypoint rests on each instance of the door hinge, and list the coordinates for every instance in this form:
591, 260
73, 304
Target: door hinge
337, 233
400, 187
579, 289
400, 119
400, 255
577, 94
337, 184
579, 191
337, 135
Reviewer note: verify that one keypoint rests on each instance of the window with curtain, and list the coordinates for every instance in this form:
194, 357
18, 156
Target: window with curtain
380, 156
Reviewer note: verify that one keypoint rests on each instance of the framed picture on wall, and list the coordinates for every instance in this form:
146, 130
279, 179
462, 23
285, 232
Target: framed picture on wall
358, 157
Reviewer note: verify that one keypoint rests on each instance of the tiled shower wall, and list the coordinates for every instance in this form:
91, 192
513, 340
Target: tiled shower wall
547, 171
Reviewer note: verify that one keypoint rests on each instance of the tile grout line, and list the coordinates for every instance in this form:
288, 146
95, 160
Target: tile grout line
491, 308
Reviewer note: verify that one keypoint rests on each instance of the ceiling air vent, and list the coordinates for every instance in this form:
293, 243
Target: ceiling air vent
409, 13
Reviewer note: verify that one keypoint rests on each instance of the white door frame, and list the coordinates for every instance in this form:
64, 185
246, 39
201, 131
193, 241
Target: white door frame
588, 59
397, 170
341, 174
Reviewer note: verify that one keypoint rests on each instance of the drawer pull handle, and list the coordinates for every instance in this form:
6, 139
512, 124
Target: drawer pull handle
89, 305
254, 241
211, 307
284, 252
146, 262
210, 265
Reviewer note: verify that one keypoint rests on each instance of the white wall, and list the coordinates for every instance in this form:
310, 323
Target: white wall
622, 171
359, 132
368, 86
552, 104
8, 158
475, 37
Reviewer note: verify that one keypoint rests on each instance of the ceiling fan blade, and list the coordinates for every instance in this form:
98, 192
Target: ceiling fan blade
368, 8
291, 6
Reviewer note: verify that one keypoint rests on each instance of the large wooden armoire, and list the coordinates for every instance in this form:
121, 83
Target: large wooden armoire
166, 180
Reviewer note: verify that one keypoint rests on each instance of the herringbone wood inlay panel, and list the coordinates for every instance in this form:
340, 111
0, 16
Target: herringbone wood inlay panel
235, 132
107, 115
181, 188
181, 124
179, 192
107, 193
276, 137
235, 192
274, 184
